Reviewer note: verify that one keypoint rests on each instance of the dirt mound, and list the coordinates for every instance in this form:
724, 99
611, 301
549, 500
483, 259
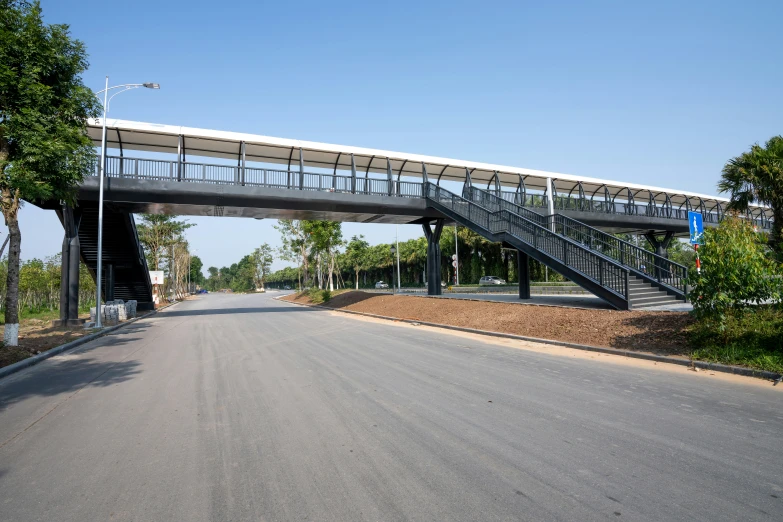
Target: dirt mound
659, 332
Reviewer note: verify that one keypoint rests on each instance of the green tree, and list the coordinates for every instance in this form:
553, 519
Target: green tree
736, 271
158, 233
196, 275
44, 105
356, 255
757, 176
325, 238
296, 245
262, 262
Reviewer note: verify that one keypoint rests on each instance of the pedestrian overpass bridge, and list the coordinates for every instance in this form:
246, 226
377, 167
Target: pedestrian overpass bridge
563, 221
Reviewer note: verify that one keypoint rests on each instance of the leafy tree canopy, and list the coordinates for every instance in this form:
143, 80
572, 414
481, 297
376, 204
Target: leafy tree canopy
756, 176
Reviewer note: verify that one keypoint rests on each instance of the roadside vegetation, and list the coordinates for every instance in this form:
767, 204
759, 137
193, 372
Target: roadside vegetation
737, 299
39, 288
44, 106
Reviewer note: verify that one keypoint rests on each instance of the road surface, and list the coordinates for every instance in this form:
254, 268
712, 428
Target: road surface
245, 408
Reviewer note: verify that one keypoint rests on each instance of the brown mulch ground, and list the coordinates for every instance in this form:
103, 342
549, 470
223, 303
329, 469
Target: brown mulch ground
36, 336
658, 332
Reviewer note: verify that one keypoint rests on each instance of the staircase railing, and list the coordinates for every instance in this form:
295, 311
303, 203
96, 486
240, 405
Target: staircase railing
493, 202
650, 264
644, 262
606, 272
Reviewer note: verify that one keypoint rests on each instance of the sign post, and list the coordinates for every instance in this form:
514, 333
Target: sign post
696, 226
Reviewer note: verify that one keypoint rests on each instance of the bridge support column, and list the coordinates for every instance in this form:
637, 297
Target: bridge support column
108, 289
69, 271
523, 268
433, 256
660, 246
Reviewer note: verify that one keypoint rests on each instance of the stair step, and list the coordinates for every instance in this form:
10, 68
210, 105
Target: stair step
646, 301
646, 293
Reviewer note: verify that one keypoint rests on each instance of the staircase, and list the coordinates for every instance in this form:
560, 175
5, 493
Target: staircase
643, 294
121, 248
654, 280
611, 269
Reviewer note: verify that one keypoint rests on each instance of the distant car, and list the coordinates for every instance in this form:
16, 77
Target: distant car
491, 280
286, 287
381, 284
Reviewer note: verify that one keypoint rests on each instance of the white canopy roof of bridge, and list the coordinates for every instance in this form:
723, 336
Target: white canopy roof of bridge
133, 135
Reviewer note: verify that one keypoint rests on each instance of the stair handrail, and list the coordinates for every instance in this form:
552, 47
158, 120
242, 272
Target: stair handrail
608, 273
658, 268
649, 264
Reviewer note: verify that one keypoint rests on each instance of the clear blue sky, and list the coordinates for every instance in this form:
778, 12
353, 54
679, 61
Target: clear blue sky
649, 92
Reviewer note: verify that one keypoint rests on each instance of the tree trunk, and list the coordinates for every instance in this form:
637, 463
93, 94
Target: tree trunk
10, 204
331, 271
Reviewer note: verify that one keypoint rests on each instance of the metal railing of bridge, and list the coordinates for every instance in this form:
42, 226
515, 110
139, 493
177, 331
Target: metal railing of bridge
182, 171
163, 170
644, 262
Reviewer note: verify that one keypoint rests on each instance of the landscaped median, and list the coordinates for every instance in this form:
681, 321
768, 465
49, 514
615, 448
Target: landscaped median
662, 333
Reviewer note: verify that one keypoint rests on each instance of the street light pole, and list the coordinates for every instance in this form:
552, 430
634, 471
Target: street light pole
393, 252
397, 241
101, 167
101, 175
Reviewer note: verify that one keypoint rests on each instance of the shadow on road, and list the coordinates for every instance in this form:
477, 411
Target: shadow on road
68, 372
231, 311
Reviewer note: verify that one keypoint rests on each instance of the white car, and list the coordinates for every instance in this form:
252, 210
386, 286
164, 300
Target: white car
381, 284
491, 280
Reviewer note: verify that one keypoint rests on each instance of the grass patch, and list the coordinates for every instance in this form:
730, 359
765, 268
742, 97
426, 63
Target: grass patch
40, 315
752, 338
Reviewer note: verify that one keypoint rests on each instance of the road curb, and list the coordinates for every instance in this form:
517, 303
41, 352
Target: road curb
35, 359
702, 365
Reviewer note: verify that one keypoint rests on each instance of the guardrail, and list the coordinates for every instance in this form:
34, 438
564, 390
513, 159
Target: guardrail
163, 170
566, 203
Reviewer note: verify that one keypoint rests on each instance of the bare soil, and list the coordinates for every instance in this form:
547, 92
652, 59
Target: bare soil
657, 332
36, 336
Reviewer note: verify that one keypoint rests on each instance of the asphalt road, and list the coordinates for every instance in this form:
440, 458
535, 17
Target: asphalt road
245, 408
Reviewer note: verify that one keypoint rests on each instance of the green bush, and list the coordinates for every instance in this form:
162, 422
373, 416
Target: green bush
752, 337
737, 271
316, 295
326, 295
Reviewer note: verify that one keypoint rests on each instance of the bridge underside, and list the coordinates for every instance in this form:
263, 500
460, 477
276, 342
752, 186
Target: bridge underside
206, 199
209, 199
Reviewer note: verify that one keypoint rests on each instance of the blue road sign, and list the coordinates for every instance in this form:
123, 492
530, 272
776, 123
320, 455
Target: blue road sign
696, 226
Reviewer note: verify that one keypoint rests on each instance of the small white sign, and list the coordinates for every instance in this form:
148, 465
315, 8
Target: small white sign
454, 264
454, 257
156, 277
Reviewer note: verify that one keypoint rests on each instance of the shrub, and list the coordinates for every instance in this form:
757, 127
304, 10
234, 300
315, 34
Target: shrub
751, 337
315, 295
737, 271
326, 295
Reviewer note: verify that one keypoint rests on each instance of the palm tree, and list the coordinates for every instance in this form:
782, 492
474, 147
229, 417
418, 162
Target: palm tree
757, 176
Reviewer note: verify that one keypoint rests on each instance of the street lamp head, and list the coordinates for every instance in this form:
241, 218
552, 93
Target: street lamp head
150, 85
393, 250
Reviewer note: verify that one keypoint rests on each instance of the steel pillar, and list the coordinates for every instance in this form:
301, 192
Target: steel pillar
661, 248
433, 256
523, 269
108, 289
69, 271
